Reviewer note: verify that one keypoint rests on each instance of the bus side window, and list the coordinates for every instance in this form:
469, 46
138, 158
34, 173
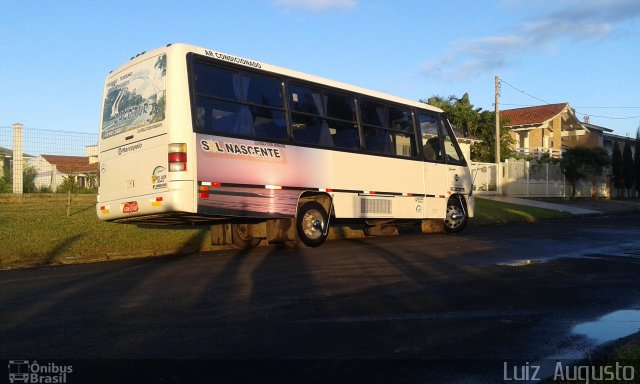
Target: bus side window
322, 117
430, 134
308, 109
238, 103
341, 117
378, 140
387, 129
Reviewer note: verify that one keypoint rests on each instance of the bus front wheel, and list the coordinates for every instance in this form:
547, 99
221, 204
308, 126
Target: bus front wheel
311, 224
456, 219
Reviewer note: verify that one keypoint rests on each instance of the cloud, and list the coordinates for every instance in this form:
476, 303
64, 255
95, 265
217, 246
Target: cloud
586, 20
317, 5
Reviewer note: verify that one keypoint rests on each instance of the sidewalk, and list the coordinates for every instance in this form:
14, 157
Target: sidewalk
543, 204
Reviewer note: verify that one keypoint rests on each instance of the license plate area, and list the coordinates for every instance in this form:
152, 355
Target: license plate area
130, 207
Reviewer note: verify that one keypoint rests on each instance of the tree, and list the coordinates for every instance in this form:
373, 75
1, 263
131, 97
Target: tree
481, 125
581, 163
636, 162
6, 184
627, 167
616, 168
29, 175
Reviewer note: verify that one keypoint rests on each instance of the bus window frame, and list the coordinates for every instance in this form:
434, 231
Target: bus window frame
454, 141
284, 80
410, 133
193, 59
437, 116
323, 90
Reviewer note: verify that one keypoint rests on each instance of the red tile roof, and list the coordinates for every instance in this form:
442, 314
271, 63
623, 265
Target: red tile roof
532, 115
71, 164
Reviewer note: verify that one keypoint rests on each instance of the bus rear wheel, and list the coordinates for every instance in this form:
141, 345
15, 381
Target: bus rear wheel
456, 218
241, 237
311, 224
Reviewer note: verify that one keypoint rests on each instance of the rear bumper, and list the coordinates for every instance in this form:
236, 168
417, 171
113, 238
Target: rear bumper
180, 198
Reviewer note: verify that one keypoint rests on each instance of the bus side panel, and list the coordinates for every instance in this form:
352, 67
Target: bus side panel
257, 179
249, 202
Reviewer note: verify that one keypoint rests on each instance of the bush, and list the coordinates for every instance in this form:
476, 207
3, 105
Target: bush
5, 185
45, 189
29, 180
583, 163
69, 185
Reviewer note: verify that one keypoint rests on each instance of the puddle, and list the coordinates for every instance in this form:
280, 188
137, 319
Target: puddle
611, 327
521, 263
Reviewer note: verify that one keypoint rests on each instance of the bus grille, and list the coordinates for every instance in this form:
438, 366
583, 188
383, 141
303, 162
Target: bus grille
379, 206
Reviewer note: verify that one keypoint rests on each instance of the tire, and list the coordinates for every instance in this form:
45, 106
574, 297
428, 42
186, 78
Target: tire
240, 237
311, 224
456, 216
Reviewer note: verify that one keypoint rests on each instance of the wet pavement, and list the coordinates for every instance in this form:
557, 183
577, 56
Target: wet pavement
610, 327
578, 206
407, 309
554, 205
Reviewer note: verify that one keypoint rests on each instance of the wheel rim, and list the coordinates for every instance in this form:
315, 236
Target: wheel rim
243, 233
455, 217
313, 224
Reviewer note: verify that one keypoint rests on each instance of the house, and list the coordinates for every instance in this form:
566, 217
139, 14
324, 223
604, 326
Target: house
550, 129
610, 139
54, 169
6, 160
465, 145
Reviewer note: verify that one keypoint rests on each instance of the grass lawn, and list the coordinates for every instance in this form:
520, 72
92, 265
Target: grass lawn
606, 361
35, 230
494, 212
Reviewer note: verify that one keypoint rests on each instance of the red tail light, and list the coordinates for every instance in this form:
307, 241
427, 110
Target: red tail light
177, 157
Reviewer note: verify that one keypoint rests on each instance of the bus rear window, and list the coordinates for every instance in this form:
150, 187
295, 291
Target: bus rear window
135, 97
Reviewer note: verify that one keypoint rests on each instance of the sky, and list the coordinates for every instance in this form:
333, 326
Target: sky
55, 55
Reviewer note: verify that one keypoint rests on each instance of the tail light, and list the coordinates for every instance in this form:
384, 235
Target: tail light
177, 157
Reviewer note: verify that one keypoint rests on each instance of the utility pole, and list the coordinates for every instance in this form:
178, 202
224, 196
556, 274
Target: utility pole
497, 106
497, 109
18, 158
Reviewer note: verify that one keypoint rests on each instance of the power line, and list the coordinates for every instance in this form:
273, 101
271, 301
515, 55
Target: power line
579, 106
578, 113
607, 107
525, 93
608, 117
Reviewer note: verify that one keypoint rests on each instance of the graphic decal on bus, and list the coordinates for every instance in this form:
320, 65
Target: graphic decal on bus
243, 162
135, 98
159, 178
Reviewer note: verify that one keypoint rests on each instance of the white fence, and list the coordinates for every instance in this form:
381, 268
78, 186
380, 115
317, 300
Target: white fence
523, 178
485, 178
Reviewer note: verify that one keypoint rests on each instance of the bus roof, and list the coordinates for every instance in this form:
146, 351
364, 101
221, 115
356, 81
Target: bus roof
254, 64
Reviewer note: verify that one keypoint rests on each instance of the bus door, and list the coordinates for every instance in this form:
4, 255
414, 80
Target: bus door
458, 176
435, 168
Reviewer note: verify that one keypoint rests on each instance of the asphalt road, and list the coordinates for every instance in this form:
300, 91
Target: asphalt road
413, 308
